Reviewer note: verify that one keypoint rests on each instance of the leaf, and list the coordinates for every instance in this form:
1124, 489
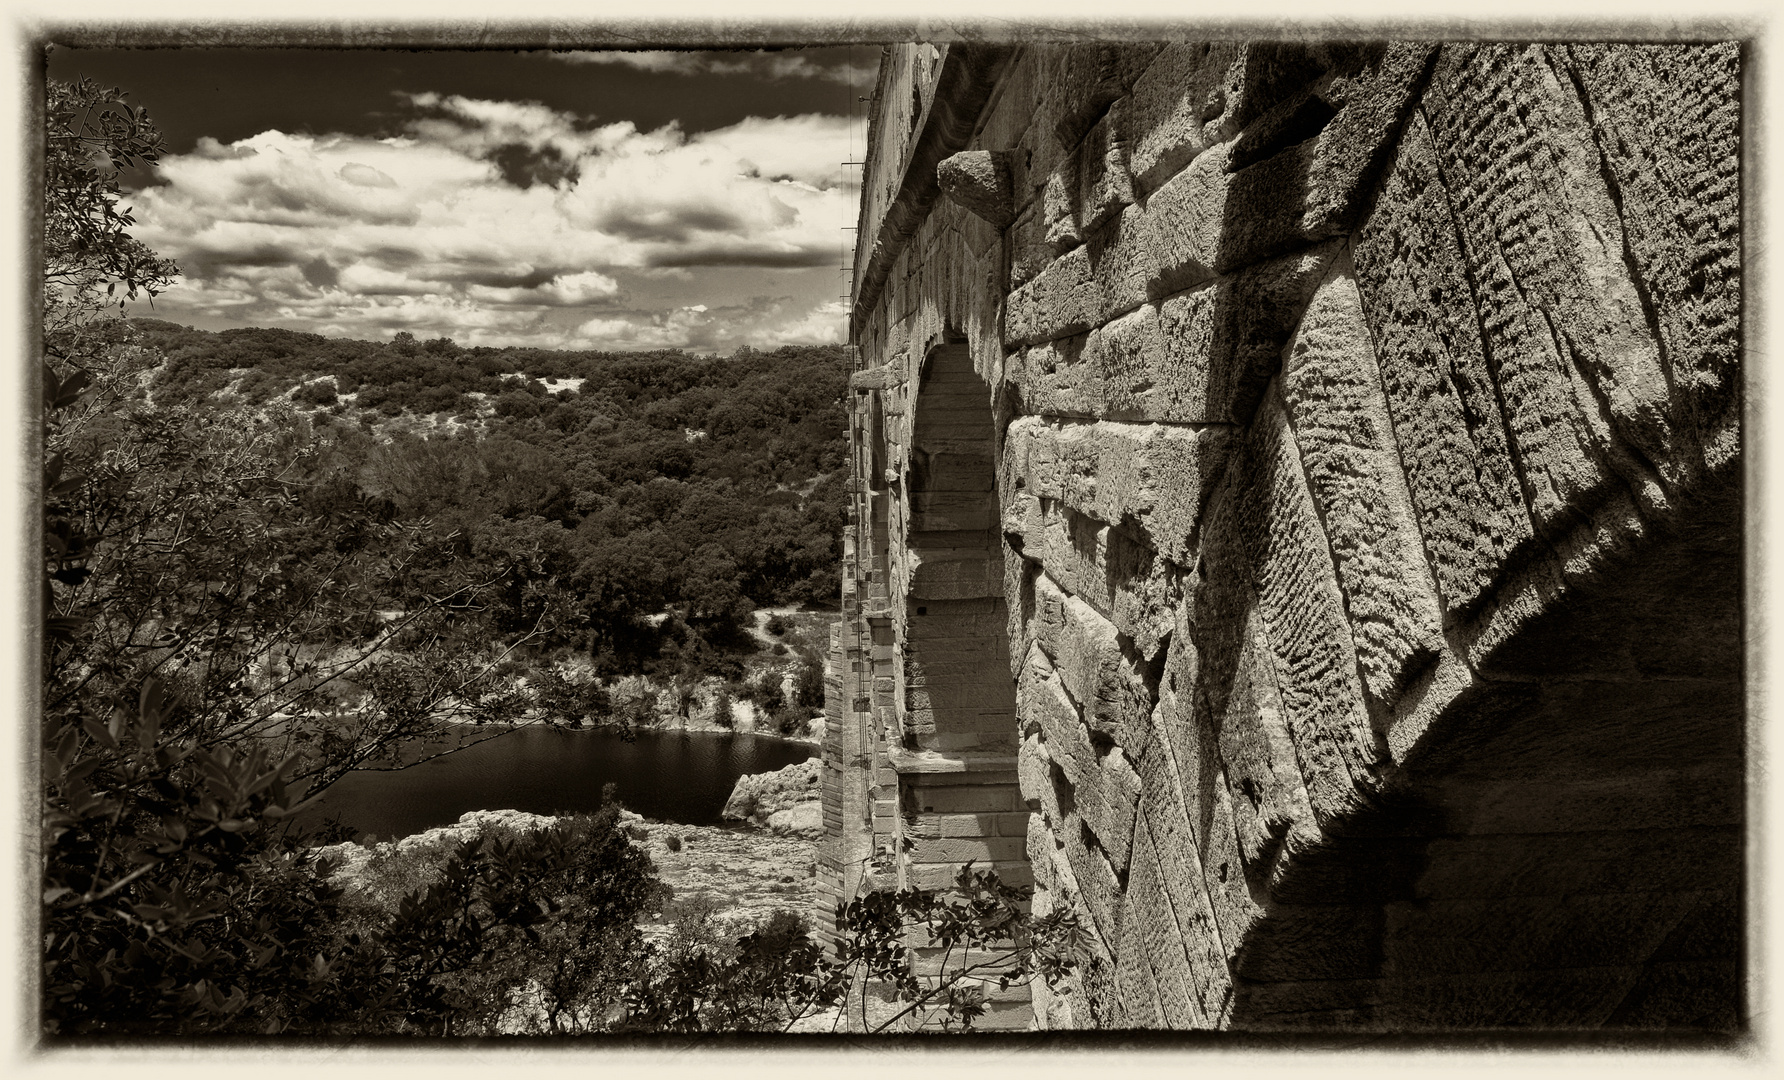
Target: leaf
102, 735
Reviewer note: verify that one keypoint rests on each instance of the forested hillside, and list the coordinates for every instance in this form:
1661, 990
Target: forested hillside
633, 507
272, 558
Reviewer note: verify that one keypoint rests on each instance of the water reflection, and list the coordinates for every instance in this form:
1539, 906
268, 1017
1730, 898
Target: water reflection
672, 776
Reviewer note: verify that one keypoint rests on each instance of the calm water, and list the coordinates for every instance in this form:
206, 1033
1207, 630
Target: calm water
672, 776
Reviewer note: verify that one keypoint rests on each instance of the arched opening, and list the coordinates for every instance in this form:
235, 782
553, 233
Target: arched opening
958, 791
958, 799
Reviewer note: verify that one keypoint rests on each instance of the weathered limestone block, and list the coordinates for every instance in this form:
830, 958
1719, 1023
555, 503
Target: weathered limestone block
950, 511
1085, 649
954, 852
1019, 584
1215, 217
1065, 298
1219, 684
1269, 800
1172, 835
1153, 474
874, 378
1091, 184
1453, 443
1059, 207
1179, 108
1374, 88
1113, 572
1150, 914
1175, 241
1167, 245
1066, 90
1182, 733
1321, 159
1104, 787
953, 574
1195, 95
1141, 1004
1029, 251
1034, 776
1090, 78
1235, 331
1666, 121
978, 181
969, 825
985, 796
1098, 888
1066, 1005
952, 454
1104, 186
1304, 620
1034, 374
1332, 389
1041, 848
1577, 366
1199, 356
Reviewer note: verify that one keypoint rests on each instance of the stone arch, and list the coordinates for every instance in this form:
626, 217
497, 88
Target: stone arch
957, 764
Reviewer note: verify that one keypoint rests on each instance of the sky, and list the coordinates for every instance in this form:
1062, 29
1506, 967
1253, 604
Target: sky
612, 200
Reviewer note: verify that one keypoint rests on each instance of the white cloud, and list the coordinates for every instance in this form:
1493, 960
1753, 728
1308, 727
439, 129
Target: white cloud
786, 64
569, 290
365, 176
487, 216
763, 322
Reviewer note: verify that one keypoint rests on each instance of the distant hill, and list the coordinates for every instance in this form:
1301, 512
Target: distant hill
615, 486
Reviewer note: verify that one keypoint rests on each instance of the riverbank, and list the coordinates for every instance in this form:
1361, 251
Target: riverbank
737, 875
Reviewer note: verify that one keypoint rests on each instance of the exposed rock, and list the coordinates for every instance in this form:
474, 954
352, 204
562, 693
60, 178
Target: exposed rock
742, 875
355, 859
768, 799
805, 819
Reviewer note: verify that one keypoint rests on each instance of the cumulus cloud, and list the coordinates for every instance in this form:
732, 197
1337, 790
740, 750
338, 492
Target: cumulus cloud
760, 64
487, 217
762, 321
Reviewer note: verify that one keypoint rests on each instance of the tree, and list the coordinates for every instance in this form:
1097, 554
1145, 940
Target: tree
92, 134
231, 625
200, 671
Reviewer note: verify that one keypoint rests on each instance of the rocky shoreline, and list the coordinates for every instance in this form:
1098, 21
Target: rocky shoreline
738, 874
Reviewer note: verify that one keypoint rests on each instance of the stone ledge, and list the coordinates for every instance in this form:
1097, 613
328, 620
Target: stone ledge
930, 761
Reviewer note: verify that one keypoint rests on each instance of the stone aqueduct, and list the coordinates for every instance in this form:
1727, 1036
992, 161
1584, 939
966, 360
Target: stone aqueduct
1296, 522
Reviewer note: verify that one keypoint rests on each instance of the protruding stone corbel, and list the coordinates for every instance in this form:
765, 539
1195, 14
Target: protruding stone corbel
873, 378
978, 181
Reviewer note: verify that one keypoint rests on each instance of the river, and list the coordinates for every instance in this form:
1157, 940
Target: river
668, 775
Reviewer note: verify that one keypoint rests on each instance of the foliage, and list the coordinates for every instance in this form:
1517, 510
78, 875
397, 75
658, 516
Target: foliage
695, 487
248, 594
213, 645
976, 936
91, 134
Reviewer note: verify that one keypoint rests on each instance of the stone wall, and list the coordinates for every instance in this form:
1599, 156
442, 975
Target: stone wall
1296, 524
